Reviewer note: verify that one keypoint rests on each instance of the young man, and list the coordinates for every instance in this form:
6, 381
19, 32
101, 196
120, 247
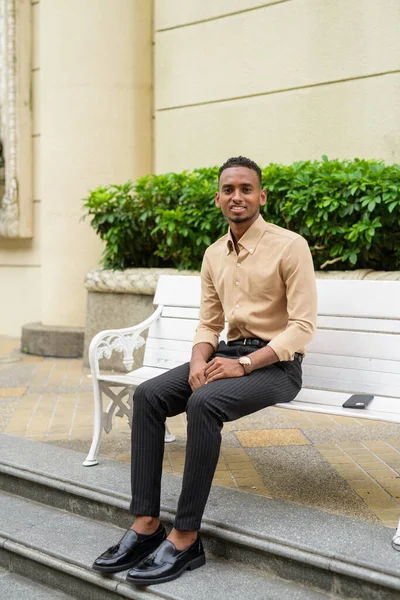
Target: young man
259, 277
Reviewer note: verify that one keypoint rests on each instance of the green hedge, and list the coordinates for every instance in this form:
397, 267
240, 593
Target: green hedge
349, 211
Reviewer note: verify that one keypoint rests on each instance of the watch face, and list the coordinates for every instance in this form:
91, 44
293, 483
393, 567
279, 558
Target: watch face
245, 361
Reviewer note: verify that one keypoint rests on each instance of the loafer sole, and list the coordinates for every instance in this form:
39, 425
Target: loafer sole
197, 562
123, 567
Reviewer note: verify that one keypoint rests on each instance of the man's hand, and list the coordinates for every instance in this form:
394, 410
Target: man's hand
222, 368
197, 376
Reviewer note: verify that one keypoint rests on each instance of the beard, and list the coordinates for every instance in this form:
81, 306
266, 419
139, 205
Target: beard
242, 218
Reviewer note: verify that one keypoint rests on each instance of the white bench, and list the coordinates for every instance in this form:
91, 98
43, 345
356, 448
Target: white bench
356, 350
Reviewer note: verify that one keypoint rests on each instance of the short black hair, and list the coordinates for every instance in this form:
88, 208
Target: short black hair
241, 161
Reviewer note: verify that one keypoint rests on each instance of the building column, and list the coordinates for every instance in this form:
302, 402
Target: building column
96, 129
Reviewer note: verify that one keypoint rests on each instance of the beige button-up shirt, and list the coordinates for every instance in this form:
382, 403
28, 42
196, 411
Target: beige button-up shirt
267, 291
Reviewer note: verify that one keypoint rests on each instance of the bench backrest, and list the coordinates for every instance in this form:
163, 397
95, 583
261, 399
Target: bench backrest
356, 347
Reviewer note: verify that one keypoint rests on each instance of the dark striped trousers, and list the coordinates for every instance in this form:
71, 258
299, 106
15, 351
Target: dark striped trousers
207, 409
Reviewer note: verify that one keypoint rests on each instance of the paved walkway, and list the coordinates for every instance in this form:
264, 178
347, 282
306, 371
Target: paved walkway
338, 464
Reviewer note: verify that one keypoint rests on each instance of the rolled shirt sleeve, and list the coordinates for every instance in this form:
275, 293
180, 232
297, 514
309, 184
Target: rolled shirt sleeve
211, 311
297, 271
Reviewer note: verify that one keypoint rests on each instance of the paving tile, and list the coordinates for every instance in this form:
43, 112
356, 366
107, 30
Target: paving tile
361, 452
249, 481
350, 445
237, 458
373, 491
393, 514
229, 451
224, 483
345, 421
379, 504
340, 460
245, 468
383, 474
12, 392
268, 437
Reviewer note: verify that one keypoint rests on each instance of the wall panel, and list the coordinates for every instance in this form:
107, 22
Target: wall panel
293, 44
356, 118
175, 13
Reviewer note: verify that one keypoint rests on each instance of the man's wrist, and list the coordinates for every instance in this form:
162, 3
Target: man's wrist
245, 362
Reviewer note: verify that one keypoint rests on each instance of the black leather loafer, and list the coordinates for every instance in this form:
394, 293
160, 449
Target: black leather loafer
167, 563
131, 549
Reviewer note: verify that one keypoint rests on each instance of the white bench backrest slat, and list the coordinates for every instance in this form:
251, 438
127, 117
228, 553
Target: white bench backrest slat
378, 299
358, 324
173, 329
178, 290
352, 362
360, 343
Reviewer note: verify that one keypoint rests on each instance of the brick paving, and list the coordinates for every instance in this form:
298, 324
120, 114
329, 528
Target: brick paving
341, 464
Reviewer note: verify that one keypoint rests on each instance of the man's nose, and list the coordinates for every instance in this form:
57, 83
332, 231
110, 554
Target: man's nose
236, 195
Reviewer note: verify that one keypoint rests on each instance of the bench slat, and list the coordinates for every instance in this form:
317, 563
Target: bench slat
352, 381
173, 329
159, 357
378, 299
352, 362
324, 322
178, 290
180, 313
362, 344
370, 299
358, 324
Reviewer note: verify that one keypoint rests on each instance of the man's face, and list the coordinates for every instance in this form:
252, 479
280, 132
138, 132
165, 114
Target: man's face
240, 195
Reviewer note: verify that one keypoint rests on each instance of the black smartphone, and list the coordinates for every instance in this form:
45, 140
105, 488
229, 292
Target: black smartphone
358, 401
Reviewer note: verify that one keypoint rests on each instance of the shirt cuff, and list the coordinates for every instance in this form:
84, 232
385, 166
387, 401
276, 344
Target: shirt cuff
207, 337
281, 352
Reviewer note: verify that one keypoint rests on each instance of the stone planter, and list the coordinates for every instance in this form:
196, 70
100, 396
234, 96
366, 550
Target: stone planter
119, 299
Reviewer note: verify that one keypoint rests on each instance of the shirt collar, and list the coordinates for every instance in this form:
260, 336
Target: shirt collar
250, 238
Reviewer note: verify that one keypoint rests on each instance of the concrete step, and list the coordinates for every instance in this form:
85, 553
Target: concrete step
57, 548
329, 553
15, 587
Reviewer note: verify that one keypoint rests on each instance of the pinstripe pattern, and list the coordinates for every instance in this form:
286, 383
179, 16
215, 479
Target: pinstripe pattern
207, 409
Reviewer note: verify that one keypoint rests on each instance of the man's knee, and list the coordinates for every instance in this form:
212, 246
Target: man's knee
145, 393
203, 402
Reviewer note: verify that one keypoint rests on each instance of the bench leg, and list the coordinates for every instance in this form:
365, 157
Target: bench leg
168, 435
91, 458
396, 539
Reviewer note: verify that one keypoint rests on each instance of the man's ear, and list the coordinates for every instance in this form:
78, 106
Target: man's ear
263, 197
217, 199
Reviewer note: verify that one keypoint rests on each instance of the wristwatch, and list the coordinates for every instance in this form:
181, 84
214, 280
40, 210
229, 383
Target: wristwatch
245, 361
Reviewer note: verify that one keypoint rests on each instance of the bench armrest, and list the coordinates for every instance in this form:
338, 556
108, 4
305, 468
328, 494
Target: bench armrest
125, 340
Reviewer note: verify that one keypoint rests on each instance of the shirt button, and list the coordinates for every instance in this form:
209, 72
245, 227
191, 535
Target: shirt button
237, 305
238, 265
237, 283
251, 250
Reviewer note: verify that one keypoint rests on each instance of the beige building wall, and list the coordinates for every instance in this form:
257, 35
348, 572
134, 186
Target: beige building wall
280, 80
285, 81
92, 125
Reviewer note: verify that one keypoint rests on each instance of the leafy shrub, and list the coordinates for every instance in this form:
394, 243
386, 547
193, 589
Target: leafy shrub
349, 211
